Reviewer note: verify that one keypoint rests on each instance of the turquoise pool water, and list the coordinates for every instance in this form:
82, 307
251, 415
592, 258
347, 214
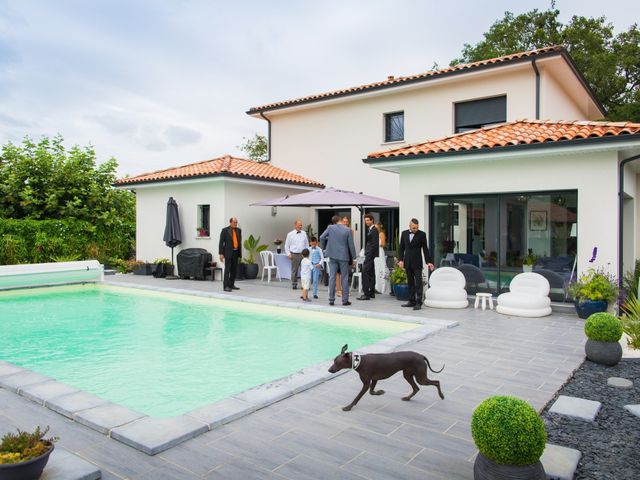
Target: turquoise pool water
163, 354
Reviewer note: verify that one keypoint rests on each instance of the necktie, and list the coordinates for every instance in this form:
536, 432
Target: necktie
235, 238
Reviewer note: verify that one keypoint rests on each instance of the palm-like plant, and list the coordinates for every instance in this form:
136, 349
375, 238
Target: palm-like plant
630, 319
253, 247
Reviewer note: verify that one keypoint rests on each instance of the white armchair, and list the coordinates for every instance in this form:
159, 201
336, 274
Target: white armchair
446, 289
269, 264
528, 296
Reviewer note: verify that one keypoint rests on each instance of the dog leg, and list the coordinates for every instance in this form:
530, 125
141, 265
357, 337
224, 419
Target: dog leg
372, 390
365, 387
436, 383
408, 376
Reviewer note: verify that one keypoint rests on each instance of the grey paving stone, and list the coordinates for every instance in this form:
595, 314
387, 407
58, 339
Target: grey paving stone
264, 395
22, 379
196, 458
393, 448
167, 472
576, 408
119, 459
619, 382
560, 463
41, 392
445, 466
440, 442
69, 405
365, 420
106, 417
241, 469
7, 368
635, 409
317, 447
64, 465
378, 467
307, 468
254, 450
154, 435
222, 412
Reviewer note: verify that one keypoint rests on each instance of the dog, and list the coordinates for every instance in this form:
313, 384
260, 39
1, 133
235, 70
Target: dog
378, 366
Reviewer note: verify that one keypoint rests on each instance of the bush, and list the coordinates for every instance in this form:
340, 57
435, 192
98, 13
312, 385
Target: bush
630, 320
508, 431
603, 327
23, 446
595, 285
12, 250
398, 276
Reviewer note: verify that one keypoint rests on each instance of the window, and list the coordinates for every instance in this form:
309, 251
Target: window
480, 113
394, 127
204, 220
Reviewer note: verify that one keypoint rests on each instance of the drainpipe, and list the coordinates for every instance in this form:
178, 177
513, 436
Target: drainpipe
621, 213
535, 69
268, 137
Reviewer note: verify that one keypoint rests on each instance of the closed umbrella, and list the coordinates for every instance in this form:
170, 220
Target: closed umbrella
172, 234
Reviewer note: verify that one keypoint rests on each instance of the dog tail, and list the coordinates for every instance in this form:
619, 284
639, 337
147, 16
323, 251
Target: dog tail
429, 365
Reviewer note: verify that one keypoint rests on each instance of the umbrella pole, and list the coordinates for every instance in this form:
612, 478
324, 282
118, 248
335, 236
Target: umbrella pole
172, 276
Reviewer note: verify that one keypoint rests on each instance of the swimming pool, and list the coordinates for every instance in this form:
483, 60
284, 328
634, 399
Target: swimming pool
166, 354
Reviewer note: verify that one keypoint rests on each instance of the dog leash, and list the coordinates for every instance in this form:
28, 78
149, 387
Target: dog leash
355, 360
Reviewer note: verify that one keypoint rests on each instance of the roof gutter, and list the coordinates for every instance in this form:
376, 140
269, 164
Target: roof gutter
268, 136
621, 214
537, 72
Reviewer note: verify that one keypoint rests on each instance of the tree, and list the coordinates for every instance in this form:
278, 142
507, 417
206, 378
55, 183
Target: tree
610, 64
256, 148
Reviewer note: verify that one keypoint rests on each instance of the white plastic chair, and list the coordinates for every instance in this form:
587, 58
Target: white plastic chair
446, 289
358, 274
528, 296
268, 264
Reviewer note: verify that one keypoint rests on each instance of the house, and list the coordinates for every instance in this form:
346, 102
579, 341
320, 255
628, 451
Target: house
208, 194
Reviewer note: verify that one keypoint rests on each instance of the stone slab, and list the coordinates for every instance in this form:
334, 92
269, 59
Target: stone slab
64, 465
69, 405
619, 382
635, 409
576, 408
560, 463
22, 379
7, 368
41, 392
265, 394
155, 435
107, 417
222, 412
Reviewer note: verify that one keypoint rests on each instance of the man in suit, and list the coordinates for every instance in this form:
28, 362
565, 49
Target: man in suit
230, 251
371, 251
413, 244
337, 242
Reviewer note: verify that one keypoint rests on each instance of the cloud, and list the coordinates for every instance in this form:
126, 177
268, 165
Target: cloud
114, 124
181, 136
12, 121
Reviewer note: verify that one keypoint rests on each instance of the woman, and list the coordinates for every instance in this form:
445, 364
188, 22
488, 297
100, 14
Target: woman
380, 263
347, 223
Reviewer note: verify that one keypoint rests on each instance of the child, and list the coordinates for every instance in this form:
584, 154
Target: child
306, 268
317, 260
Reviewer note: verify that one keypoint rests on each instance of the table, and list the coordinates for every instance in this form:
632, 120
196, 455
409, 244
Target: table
284, 265
485, 297
213, 271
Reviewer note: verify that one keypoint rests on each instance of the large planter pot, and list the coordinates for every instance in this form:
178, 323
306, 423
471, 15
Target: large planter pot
250, 271
144, 269
486, 469
29, 470
586, 308
527, 268
604, 353
401, 291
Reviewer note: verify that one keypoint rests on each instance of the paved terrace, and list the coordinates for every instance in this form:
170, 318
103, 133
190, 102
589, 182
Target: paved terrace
308, 436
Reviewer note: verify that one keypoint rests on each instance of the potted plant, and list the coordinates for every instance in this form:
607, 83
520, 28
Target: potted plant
510, 437
398, 280
529, 261
141, 268
253, 247
162, 267
593, 292
23, 455
202, 232
277, 242
603, 332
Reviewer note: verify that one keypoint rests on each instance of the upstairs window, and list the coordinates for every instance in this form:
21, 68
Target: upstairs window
480, 113
204, 219
394, 127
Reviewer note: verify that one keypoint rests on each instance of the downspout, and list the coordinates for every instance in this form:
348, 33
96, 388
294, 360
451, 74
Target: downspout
268, 137
620, 215
535, 69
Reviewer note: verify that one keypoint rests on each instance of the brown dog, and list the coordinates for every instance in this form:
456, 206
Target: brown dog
378, 366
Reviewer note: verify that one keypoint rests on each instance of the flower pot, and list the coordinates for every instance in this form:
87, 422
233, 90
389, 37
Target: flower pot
527, 268
144, 269
586, 308
401, 291
250, 271
278, 250
486, 469
29, 470
604, 353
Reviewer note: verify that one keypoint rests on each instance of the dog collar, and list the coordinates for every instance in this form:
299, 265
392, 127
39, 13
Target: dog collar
355, 360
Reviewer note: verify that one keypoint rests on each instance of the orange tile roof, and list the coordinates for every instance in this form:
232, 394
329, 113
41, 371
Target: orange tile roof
521, 132
392, 81
223, 166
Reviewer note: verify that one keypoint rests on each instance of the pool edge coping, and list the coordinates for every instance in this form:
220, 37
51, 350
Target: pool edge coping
152, 435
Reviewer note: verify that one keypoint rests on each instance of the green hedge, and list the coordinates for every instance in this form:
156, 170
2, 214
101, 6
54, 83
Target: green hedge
37, 241
603, 327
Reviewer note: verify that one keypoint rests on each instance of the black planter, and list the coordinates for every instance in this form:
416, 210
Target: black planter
250, 271
604, 353
29, 470
486, 469
401, 291
144, 269
586, 308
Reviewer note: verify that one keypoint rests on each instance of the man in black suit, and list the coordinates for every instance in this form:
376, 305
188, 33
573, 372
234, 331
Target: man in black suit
371, 251
230, 248
413, 243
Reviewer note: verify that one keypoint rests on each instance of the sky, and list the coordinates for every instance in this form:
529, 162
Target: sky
157, 84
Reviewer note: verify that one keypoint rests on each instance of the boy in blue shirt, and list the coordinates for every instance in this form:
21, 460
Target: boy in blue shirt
317, 260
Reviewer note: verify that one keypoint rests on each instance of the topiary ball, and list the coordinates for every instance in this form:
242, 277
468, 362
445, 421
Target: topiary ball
508, 431
603, 327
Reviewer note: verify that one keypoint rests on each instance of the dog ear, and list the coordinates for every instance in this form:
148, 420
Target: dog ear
344, 349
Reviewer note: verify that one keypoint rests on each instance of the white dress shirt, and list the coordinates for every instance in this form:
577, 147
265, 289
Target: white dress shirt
296, 242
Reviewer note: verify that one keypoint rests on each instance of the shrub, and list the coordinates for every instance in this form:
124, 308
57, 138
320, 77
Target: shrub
603, 327
508, 431
595, 285
630, 320
12, 250
398, 276
23, 446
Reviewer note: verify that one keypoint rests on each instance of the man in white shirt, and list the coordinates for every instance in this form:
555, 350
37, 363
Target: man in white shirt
295, 243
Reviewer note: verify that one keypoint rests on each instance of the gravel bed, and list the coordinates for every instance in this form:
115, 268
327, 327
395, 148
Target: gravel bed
609, 445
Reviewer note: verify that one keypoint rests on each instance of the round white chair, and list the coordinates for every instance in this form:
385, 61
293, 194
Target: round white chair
528, 296
446, 289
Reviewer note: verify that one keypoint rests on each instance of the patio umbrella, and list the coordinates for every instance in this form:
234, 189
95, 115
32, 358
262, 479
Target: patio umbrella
172, 235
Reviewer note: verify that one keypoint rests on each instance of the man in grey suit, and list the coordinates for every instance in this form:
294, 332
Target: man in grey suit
337, 243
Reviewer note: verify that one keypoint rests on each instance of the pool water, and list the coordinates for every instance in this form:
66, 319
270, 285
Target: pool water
165, 354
